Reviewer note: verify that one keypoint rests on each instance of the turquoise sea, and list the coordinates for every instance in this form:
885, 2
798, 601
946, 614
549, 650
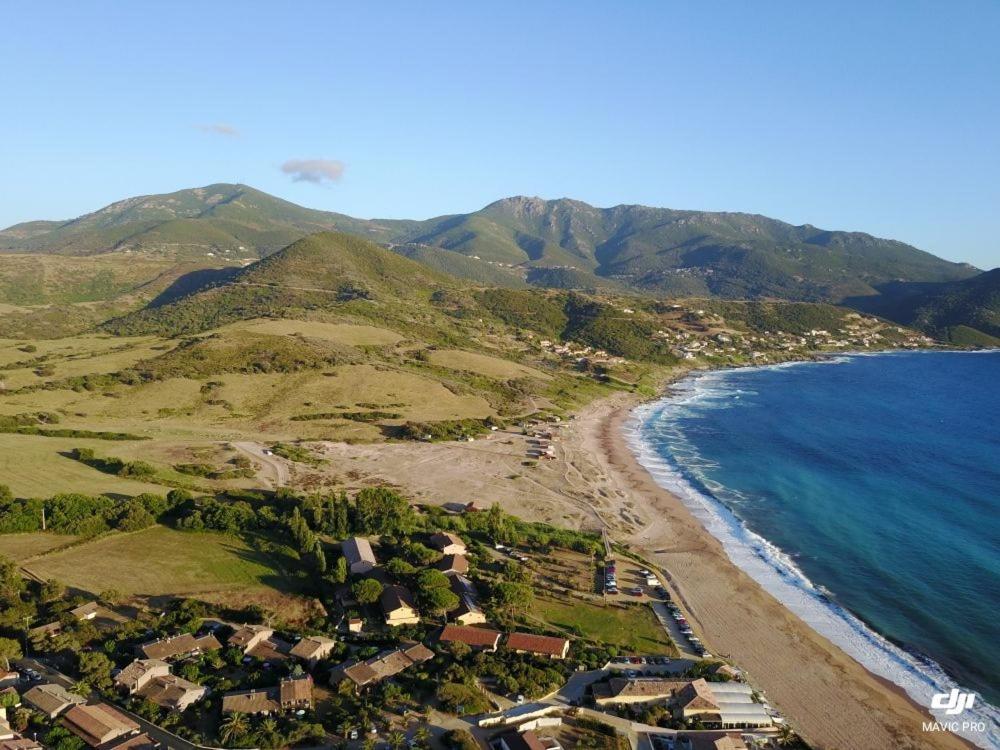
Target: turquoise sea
864, 492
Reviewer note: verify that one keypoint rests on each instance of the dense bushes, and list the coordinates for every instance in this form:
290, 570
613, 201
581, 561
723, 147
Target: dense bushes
30, 424
446, 429
78, 514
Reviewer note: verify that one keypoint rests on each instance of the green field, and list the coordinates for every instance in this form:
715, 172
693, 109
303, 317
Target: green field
634, 629
19, 547
34, 466
159, 560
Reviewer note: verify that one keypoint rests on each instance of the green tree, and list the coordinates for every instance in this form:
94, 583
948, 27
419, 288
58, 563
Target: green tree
9, 649
367, 590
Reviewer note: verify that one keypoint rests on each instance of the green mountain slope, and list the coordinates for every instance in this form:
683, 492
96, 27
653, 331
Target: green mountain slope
963, 312
683, 252
233, 220
515, 241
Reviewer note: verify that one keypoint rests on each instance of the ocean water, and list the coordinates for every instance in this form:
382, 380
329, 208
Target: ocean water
864, 492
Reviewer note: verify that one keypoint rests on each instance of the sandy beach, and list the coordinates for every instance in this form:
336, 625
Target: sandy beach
595, 481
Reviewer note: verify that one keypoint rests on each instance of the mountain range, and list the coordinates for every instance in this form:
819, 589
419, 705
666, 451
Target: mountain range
521, 242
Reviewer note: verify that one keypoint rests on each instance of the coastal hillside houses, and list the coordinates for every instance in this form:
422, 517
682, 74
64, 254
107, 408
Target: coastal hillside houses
246, 637
138, 674
251, 702
539, 645
398, 606
179, 646
381, 667
453, 565
172, 692
359, 555
480, 639
313, 648
448, 544
296, 694
51, 700
98, 724
291, 694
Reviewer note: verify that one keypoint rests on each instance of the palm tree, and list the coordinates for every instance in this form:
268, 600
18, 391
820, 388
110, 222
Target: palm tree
422, 735
369, 743
269, 732
345, 727
396, 740
235, 725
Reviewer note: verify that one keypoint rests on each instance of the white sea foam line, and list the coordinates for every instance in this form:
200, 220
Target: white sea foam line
775, 570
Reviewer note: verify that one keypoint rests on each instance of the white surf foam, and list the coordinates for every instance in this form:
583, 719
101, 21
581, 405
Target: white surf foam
770, 566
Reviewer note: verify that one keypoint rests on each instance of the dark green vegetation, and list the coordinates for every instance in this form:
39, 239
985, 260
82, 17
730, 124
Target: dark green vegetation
964, 312
515, 243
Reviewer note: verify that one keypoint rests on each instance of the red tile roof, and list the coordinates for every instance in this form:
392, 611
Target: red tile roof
537, 644
478, 637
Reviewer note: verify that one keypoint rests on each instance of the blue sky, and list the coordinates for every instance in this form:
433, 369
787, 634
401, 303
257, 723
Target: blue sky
882, 117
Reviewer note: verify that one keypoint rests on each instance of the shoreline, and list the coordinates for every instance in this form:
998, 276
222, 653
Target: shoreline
918, 676
830, 697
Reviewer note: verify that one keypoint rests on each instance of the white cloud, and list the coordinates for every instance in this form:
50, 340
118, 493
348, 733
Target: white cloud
220, 128
316, 171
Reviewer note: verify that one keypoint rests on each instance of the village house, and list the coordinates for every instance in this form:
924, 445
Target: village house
8, 678
86, 611
137, 742
397, 604
19, 743
172, 692
540, 645
481, 639
51, 700
721, 705
468, 611
251, 702
6, 732
246, 637
355, 625
296, 694
636, 691
98, 723
181, 645
448, 543
359, 555
137, 675
313, 648
382, 666
453, 565
515, 740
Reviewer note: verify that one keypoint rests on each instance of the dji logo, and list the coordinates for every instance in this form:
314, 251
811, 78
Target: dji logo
953, 703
